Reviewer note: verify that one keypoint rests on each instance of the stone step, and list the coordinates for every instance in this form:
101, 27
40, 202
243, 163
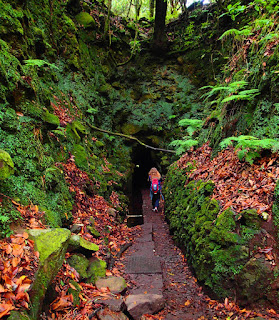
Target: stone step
147, 283
143, 265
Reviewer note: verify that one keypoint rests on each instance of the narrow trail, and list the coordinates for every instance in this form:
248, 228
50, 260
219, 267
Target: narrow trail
155, 265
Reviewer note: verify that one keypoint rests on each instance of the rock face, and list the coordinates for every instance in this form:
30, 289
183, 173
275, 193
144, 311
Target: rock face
115, 284
139, 304
51, 245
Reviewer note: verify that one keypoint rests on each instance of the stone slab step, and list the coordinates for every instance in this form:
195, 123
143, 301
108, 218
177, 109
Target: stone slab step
142, 264
147, 283
144, 248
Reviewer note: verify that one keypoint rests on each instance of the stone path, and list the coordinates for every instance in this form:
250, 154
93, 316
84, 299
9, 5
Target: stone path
160, 275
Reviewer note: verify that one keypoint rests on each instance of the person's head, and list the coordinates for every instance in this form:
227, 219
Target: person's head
154, 173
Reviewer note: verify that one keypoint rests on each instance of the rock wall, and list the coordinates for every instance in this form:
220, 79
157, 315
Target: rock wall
223, 248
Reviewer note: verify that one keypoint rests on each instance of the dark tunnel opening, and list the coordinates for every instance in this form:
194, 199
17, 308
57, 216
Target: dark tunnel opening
143, 159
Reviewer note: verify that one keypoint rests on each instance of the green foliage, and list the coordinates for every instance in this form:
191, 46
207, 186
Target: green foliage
250, 146
232, 91
39, 63
8, 214
238, 35
183, 145
186, 142
234, 10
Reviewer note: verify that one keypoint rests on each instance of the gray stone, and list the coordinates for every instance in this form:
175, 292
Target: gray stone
114, 304
107, 314
139, 304
76, 228
114, 284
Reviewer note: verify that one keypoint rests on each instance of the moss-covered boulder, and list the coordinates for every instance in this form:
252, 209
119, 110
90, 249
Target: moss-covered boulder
254, 280
52, 246
80, 263
77, 243
6, 165
96, 269
85, 19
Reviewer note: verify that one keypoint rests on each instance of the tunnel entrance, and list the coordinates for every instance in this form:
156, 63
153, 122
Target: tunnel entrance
143, 159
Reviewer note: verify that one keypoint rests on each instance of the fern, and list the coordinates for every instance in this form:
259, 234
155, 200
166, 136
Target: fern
183, 145
238, 35
39, 63
250, 146
242, 95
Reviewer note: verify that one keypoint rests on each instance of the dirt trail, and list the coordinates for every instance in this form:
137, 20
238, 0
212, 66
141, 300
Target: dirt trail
184, 298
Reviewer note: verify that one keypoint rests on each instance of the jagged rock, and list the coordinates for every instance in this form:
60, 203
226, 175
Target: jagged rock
115, 284
96, 269
139, 304
80, 263
51, 245
107, 314
80, 244
76, 228
114, 304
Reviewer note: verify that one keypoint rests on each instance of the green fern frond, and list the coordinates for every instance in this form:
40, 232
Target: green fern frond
237, 34
196, 123
39, 63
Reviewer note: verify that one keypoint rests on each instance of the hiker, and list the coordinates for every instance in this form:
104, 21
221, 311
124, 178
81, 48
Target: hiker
154, 177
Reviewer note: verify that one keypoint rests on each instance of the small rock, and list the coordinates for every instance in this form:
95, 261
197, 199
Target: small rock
115, 284
76, 228
107, 314
112, 212
139, 304
114, 304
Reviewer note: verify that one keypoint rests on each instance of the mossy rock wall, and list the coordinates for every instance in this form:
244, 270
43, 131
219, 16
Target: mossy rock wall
50, 74
219, 245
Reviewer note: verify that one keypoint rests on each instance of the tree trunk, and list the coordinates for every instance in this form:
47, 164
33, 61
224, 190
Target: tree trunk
159, 38
151, 8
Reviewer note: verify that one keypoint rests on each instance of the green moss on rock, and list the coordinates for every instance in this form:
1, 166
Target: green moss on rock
6, 165
96, 269
51, 245
85, 19
80, 263
216, 243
